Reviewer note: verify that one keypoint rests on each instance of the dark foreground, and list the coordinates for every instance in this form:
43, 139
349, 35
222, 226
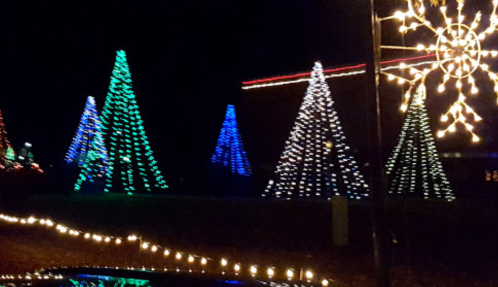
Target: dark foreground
434, 243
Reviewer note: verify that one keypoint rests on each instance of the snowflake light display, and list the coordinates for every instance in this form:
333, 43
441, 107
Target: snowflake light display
459, 52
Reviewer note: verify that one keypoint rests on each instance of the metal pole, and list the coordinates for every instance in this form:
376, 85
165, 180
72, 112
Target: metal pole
377, 176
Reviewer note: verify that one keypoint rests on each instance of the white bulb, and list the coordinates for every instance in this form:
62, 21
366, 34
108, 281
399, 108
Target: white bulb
271, 272
290, 273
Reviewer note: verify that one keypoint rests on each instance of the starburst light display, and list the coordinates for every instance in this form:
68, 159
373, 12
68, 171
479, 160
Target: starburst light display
458, 46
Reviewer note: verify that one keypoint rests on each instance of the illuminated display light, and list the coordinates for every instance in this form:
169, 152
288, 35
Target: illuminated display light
459, 51
11, 155
414, 168
309, 165
230, 150
4, 140
150, 248
28, 278
88, 128
332, 70
130, 154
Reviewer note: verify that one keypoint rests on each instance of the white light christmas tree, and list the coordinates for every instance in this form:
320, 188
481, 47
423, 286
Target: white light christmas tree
316, 161
414, 167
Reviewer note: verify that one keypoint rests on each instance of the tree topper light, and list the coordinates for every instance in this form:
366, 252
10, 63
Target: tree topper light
459, 54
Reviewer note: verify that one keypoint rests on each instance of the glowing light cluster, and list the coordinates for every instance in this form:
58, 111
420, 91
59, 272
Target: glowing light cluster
130, 154
331, 73
230, 150
30, 277
316, 160
88, 129
414, 164
459, 51
152, 248
4, 141
307, 276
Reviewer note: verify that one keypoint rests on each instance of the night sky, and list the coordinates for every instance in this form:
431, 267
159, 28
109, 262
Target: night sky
187, 59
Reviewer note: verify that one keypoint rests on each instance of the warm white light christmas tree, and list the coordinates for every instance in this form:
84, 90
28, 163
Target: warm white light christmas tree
316, 161
414, 167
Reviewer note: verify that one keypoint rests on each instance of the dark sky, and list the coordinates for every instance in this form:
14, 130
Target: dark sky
187, 60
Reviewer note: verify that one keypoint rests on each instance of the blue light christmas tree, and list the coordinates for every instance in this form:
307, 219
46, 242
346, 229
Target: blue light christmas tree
130, 156
85, 135
230, 150
96, 164
316, 161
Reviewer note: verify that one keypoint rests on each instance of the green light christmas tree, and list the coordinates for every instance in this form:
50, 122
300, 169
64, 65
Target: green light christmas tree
131, 160
414, 167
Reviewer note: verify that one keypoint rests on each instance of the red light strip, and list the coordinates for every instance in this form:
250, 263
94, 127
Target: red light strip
334, 70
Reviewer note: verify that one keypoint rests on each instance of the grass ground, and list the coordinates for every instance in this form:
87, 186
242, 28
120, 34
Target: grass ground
438, 243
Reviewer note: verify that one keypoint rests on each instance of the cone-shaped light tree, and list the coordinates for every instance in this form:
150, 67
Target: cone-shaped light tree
316, 161
414, 168
96, 164
85, 135
132, 165
4, 140
230, 150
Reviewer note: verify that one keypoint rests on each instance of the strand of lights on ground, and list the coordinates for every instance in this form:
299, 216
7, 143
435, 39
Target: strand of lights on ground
330, 76
305, 163
122, 128
458, 47
254, 270
30, 276
89, 129
229, 149
414, 161
306, 277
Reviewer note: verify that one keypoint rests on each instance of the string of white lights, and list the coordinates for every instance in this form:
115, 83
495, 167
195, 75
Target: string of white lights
152, 247
304, 278
330, 76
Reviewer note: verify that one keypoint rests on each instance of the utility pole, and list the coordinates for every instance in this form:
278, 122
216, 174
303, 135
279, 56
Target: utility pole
377, 175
